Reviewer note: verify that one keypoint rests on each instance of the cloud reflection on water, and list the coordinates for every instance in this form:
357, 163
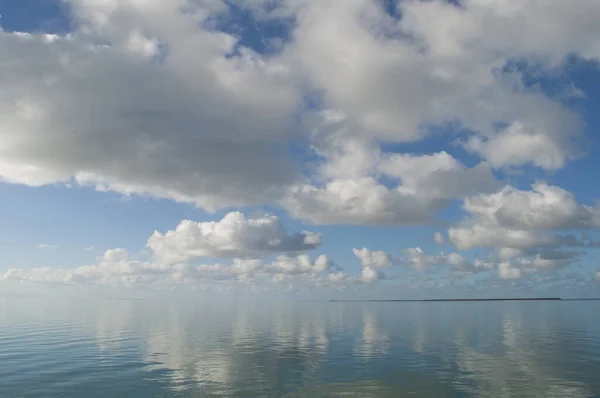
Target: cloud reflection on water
329, 349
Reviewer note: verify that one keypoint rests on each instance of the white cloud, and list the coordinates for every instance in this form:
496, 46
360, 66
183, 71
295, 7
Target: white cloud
147, 97
513, 220
41, 275
485, 263
116, 268
301, 264
347, 188
467, 237
168, 108
525, 223
370, 275
115, 255
162, 110
373, 258
506, 271
357, 201
385, 89
552, 259
515, 264
438, 175
46, 246
515, 147
447, 72
418, 259
544, 207
245, 240
336, 277
458, 262
233, 236
421, 261
372, 263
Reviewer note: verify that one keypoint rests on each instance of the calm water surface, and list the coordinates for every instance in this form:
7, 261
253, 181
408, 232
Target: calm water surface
128, 348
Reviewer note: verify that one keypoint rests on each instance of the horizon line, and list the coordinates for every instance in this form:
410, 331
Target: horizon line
469, 299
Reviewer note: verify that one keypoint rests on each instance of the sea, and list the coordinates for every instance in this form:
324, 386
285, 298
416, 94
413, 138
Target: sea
297, 348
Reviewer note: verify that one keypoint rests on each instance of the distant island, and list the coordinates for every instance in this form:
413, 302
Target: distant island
461, 299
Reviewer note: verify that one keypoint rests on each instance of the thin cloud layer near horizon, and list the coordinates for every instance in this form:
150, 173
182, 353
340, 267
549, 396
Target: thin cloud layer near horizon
335, 147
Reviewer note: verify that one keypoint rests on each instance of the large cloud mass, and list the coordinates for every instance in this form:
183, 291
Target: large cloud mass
142, 100
153, 98
517, 219
233, 236
350, 113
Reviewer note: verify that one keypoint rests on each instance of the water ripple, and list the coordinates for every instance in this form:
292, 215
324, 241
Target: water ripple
138, 349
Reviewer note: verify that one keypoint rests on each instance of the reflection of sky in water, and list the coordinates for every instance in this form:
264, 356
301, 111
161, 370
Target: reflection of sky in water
142, 349
521, 370
373, 341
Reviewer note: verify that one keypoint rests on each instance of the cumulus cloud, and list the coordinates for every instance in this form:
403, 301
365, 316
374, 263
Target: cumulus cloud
354, 44
459, 263
151, 98
385, 88
419, 260
372, 262
246, 241
356, 201
347, 189
336, 277
117, 268
370, 275
512, 219
114, 267
232, 236
301, 264
486, 264
526, 229
507, 271
515, 147
163, 109
543, 207
373, 259
467, 237
515, 264
391, 86
438, 238
552, 259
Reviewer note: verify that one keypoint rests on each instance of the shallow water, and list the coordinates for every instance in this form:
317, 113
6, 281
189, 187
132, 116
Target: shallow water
128, 348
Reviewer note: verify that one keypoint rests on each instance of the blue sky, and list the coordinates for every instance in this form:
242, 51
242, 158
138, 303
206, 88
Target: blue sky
407, 125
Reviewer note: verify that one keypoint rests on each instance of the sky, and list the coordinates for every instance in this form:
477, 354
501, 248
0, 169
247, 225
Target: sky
330, 148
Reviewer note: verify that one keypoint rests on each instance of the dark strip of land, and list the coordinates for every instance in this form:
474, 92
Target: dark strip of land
458, 299
581, 299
